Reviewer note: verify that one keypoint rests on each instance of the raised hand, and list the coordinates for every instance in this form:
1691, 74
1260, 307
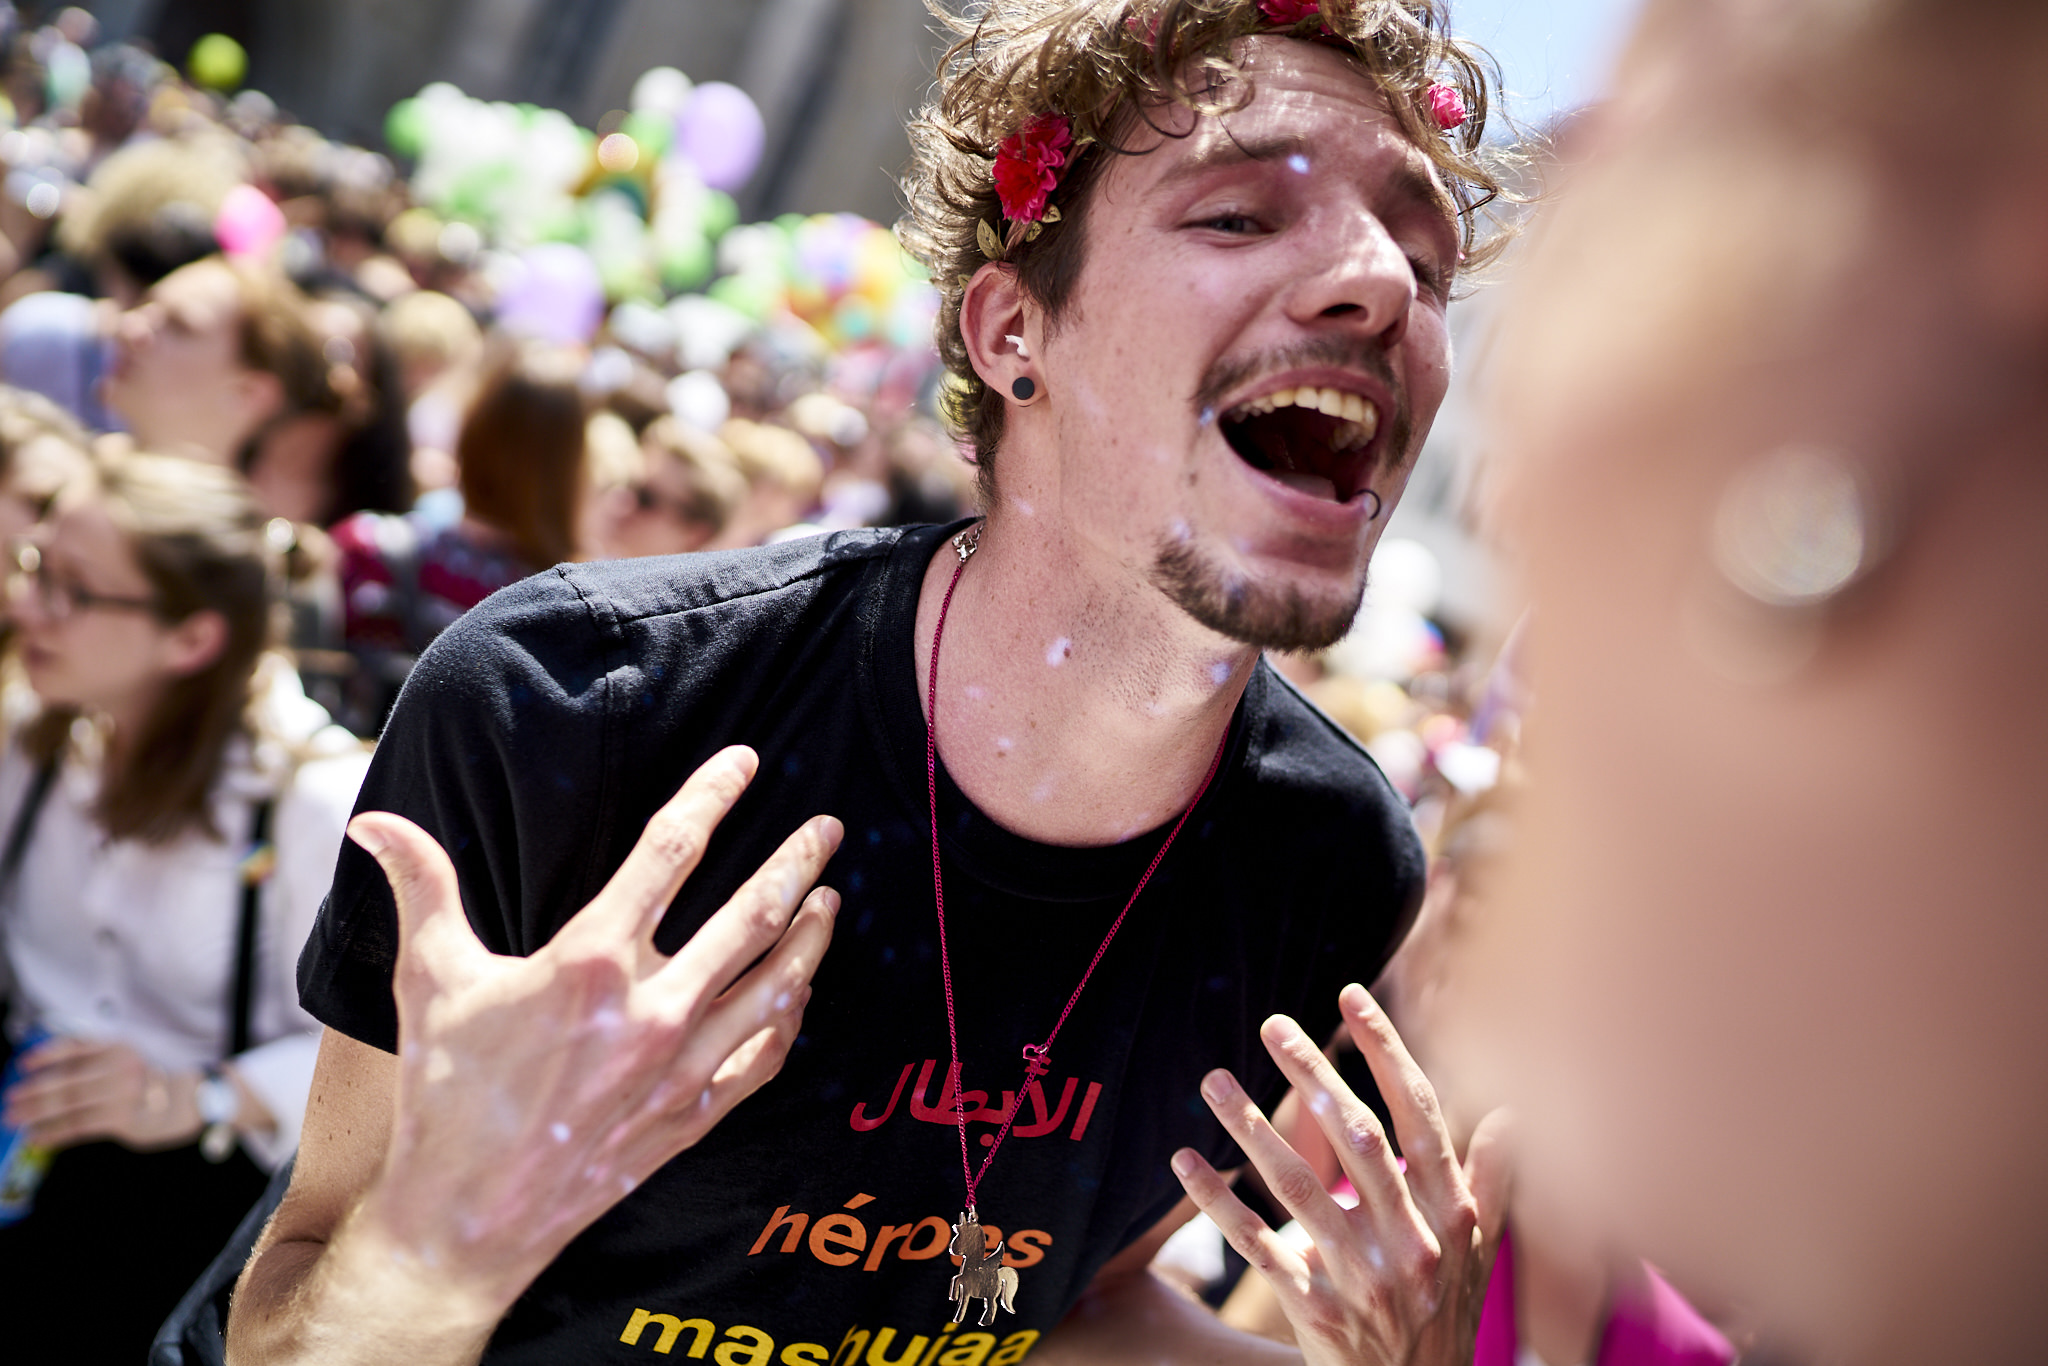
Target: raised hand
534, 1093
1401, 1278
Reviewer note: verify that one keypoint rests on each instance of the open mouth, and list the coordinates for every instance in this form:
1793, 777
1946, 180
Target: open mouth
1316, 441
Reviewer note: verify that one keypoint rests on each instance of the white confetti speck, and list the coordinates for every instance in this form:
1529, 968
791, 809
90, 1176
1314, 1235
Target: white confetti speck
559, 1132
1057, 652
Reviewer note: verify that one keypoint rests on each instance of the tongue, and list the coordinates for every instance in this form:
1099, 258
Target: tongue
1314, 485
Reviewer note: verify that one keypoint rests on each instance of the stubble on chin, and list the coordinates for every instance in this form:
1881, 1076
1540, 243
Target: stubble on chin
1270, 616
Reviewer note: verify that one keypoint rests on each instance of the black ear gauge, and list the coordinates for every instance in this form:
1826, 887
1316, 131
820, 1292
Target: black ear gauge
1022, 388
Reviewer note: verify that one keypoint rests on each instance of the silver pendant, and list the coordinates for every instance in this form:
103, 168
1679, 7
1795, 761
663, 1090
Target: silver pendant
982, 1276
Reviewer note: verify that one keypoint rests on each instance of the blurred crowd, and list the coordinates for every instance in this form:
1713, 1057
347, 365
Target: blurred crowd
530, 343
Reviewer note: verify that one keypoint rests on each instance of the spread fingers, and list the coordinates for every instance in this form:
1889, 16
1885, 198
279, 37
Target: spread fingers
671, 846
1287, 1174
1245, 1231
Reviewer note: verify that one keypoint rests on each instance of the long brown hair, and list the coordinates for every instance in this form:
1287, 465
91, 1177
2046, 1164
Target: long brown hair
198, 538
521, 454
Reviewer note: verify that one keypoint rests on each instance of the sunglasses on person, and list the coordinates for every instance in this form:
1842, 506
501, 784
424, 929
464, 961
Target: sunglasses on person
60, 598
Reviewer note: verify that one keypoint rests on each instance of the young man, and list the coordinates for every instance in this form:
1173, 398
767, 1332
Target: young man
1196, 392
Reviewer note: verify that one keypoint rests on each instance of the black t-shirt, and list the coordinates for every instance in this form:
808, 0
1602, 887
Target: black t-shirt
811, 1226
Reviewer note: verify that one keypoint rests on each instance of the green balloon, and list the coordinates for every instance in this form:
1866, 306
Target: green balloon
687, 264
405, 128
650, 132
748, 294
721, 214
218, 62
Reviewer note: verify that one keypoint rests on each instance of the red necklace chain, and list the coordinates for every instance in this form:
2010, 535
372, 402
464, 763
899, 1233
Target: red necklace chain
1037, 1057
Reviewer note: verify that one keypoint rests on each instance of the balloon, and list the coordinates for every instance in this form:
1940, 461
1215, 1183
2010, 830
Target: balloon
751, 295
720, 214
719, 131
687, 263
218, 62
67, 74
554, 294
660, 90
698, 400
249, 222
650, 132
405, 128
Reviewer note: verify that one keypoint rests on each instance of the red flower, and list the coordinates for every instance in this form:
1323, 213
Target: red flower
1447, 103
1028, 164
1285, 12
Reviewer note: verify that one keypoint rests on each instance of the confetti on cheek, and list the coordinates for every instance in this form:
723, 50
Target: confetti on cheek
1219, 672
1004, 744
559, 1132
1057, 652
1298, 164
975, 692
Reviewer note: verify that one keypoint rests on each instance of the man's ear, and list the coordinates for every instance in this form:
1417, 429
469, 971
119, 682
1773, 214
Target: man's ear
195, 642
995, 314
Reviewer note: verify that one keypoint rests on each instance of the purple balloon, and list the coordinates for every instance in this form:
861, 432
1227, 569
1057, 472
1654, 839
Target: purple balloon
719, 131
558, 296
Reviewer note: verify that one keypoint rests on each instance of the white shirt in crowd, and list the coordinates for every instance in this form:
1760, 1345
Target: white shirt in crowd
134, 943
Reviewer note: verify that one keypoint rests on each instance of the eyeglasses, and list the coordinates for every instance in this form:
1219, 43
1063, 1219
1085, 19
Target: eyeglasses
59, 598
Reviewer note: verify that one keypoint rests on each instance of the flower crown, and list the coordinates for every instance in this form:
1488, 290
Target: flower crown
1030, 161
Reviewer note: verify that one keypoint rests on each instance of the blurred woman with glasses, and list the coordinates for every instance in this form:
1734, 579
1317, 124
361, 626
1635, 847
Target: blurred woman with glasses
171, 809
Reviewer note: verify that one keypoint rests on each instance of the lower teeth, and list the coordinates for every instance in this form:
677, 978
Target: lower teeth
1315, 485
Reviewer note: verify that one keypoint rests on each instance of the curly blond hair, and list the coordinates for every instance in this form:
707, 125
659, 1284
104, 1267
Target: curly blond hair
1106, 65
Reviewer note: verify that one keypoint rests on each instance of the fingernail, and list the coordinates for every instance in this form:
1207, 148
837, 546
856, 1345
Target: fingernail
368, 836
1281, 1028
831, 901
1356, 999
1183, 1163
1216, 1086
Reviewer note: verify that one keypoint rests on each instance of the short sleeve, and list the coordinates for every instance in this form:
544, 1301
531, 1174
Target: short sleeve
500, 732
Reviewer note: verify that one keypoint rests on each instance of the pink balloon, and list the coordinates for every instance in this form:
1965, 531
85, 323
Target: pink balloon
719, 131
249, 223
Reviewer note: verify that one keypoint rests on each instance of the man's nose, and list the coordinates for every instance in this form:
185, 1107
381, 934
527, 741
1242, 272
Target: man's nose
1364, 283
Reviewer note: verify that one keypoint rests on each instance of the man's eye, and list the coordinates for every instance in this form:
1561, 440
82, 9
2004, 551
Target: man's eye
1232, 223
1429, 275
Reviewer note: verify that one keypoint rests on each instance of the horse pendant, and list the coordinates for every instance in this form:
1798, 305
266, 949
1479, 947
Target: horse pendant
982, 1275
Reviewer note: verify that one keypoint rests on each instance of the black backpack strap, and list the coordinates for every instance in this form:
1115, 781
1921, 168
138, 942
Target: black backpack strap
25, 822
256, 870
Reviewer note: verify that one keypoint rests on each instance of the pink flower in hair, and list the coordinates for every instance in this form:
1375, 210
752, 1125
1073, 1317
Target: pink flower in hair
1284, 12
1447, 104
1028, 164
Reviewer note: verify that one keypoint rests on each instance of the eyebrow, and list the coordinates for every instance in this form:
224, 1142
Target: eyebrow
1408, 182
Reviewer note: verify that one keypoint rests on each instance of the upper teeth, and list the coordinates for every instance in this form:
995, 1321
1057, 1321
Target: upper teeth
1361, 417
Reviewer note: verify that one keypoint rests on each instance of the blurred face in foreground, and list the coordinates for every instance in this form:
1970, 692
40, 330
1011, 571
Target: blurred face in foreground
1253, 353
1768, 982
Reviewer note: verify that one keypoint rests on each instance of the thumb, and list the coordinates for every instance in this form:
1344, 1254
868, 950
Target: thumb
436, 946
1488, 1175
